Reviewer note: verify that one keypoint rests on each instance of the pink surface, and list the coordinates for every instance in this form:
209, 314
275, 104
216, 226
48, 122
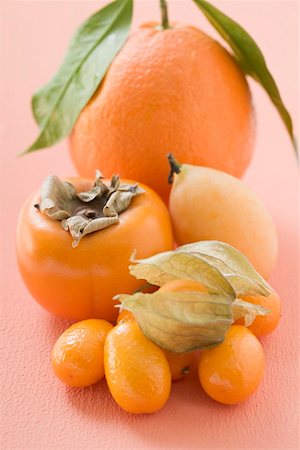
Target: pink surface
38, 412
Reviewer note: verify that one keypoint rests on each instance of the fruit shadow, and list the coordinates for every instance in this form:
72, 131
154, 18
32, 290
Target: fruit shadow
185, 406
53, 326
97, 403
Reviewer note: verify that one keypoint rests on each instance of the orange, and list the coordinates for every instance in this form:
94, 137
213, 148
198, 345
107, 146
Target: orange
78, 355
136, 369
168, 90
263, 325
80, 283
230, 372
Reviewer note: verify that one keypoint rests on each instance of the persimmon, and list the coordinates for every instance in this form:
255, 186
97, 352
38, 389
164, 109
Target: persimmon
78, 355
136, 369
231, 371
80, 283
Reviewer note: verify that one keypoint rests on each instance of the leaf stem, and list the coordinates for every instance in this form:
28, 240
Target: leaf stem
164, 14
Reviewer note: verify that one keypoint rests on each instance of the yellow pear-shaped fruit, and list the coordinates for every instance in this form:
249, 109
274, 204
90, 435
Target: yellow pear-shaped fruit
207, 204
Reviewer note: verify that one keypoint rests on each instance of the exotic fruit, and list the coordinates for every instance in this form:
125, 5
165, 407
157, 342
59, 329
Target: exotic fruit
230, 372
75, 239
136, 369
78, 355
207, 204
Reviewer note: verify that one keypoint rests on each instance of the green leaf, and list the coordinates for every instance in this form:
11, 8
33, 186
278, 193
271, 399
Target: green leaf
231, 263
181, 321
57, 105
249, 56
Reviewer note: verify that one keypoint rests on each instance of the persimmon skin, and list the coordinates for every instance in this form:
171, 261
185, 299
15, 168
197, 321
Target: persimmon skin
80, 283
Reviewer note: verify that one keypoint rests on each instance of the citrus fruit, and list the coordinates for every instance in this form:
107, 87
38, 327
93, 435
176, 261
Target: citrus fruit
136, 370
179, 363
167, 90
207, 204
124, 315
230, 372
78, 355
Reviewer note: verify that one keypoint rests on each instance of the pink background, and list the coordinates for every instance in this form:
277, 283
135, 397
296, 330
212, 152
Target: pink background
38, 411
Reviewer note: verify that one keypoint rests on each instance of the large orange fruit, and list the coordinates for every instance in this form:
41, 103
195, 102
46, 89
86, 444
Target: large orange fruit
80, 283
168, 90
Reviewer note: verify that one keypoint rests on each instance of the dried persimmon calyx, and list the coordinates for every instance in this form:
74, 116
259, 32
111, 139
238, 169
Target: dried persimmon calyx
82, 213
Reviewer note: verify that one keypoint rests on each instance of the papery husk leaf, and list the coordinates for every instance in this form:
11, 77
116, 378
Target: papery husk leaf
120, 199
232, 264
245, 286
248, 311
181, 321
79, 226
98, 190
56, 196
86, 212
167, 266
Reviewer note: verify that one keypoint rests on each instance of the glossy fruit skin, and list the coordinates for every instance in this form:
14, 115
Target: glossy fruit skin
179, 363
230, 372
136, 369
264, 325
78, 355
207, 204
125, 315
173, 90
80, 283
